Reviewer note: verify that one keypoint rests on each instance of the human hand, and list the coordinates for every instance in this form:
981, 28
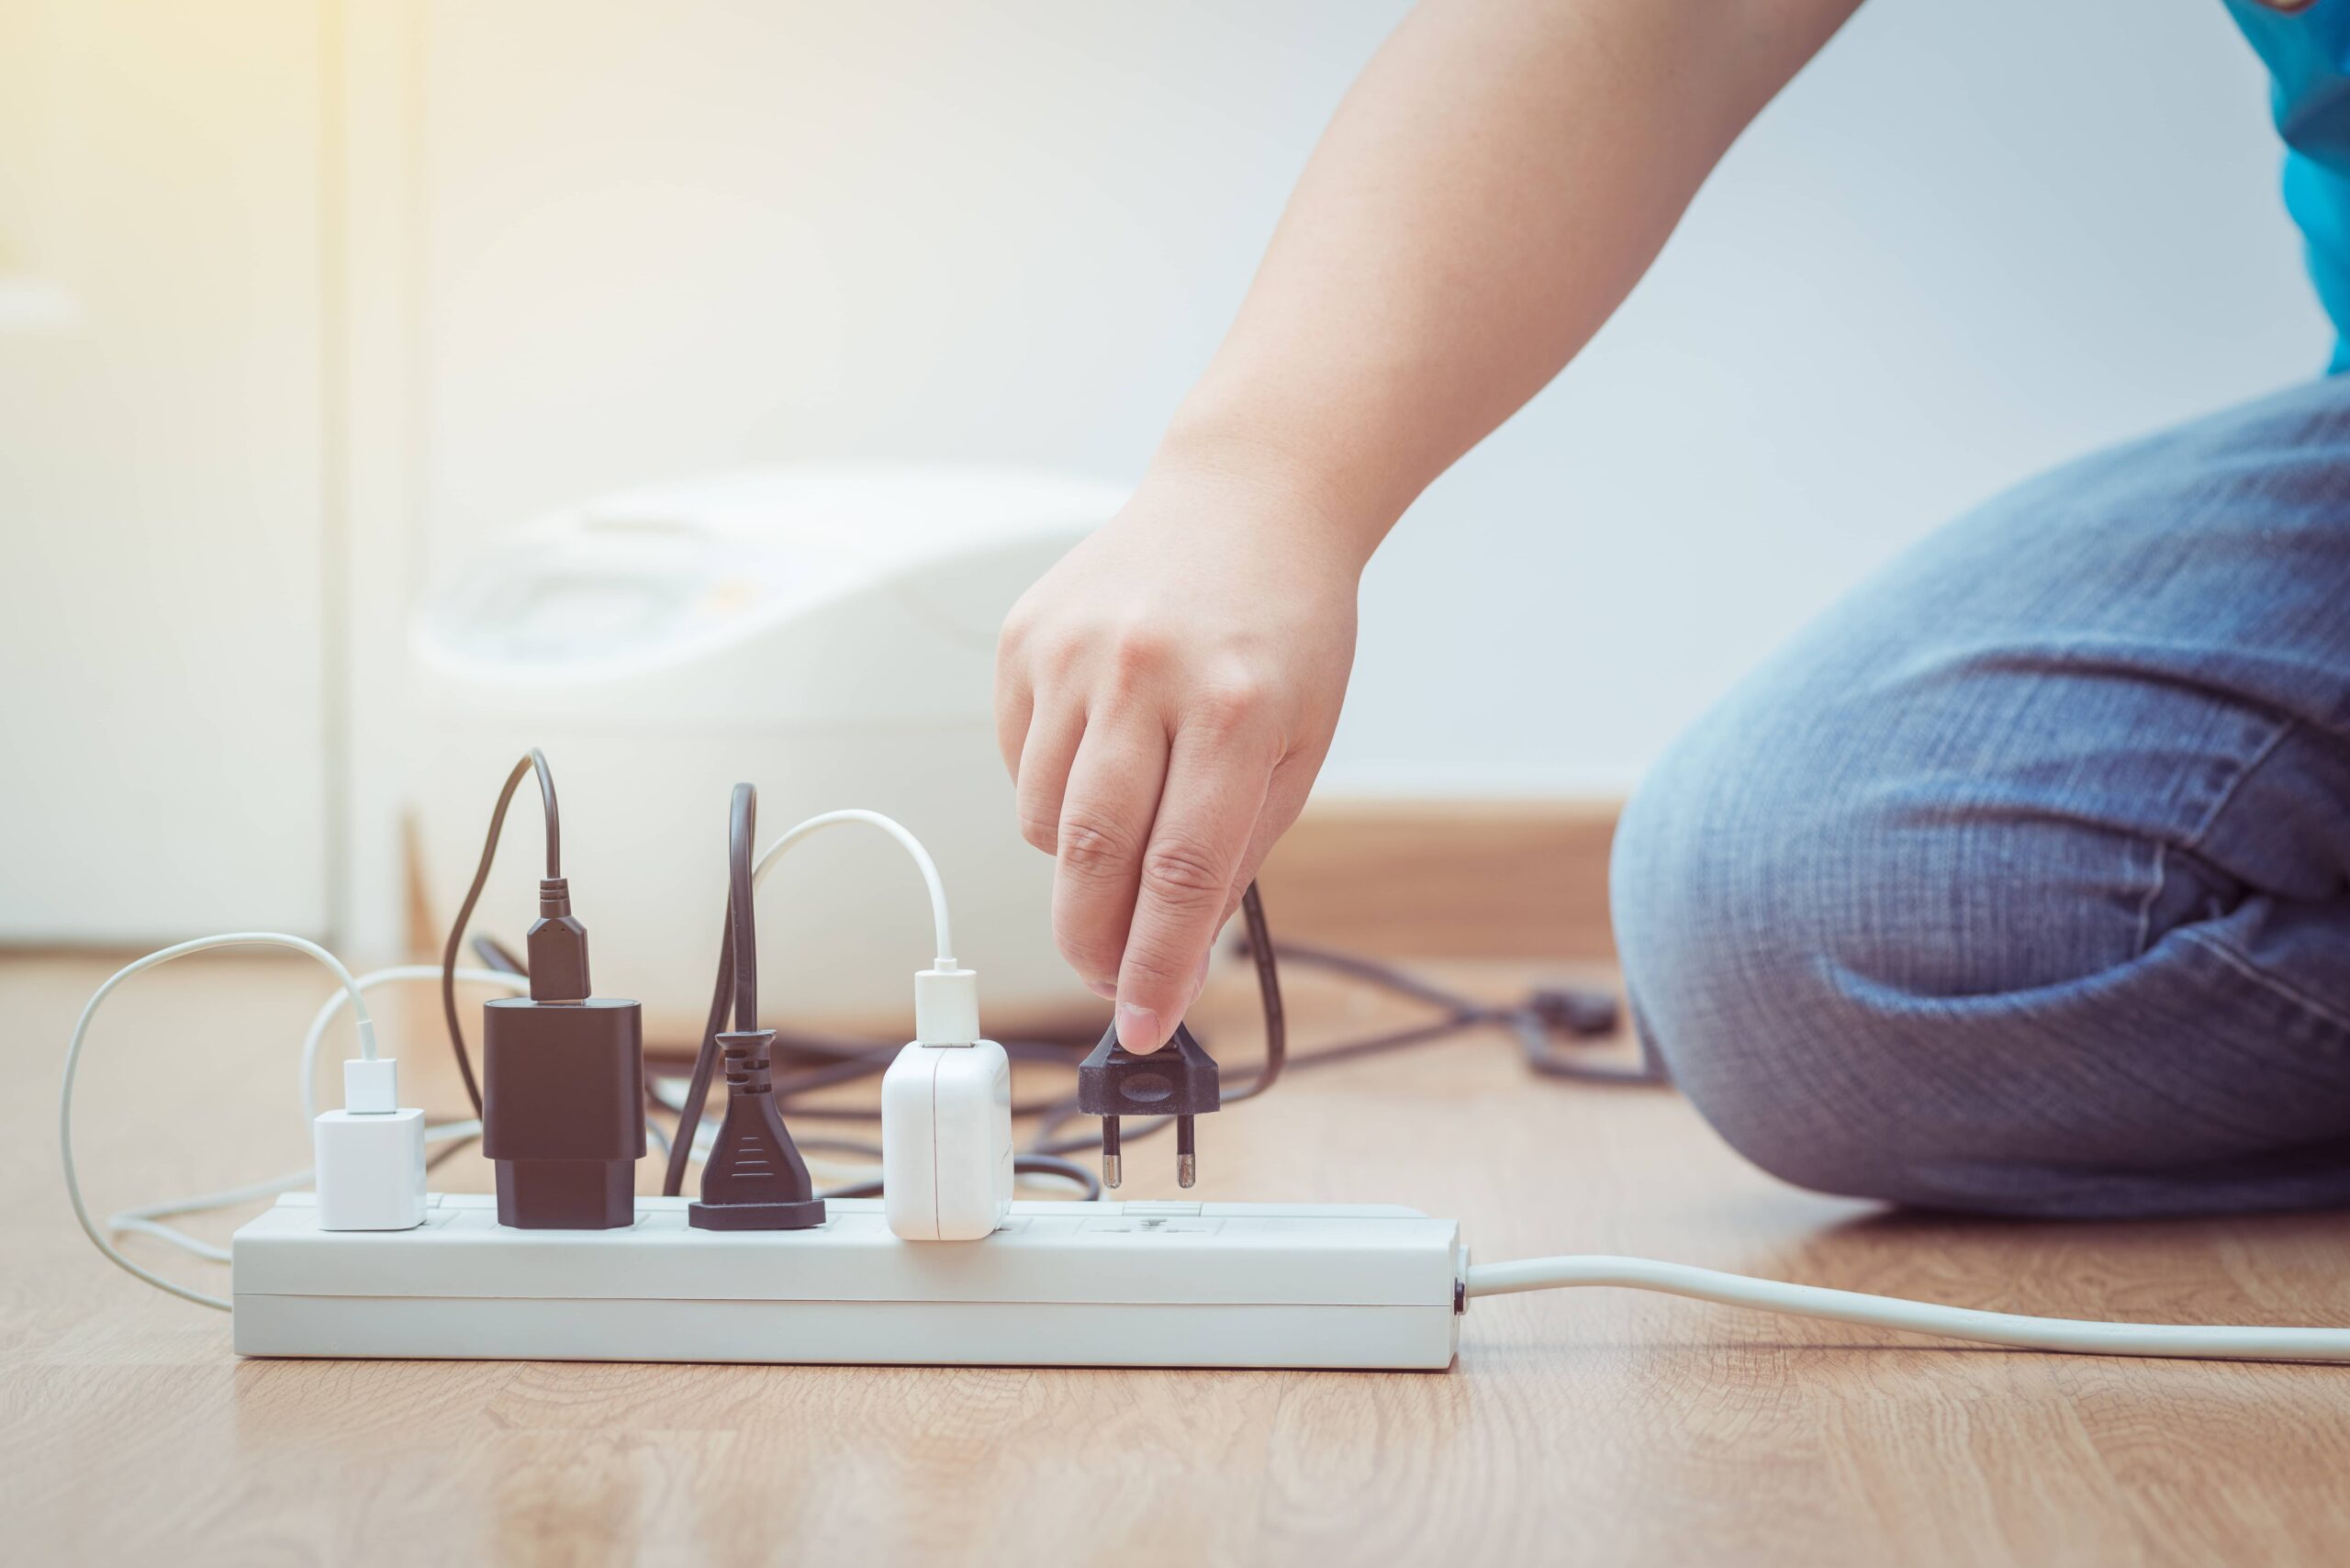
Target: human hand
1165, 696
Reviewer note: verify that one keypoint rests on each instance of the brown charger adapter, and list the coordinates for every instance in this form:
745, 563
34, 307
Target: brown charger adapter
562, 1087
563, 1110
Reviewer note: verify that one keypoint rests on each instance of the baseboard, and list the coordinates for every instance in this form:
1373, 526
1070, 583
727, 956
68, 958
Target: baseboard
1448, 879
1406, 879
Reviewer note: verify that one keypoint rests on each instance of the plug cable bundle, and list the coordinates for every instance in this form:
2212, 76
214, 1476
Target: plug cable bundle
754, 1178
1540, 1021
1892, 1312
757, 1178
849, 1060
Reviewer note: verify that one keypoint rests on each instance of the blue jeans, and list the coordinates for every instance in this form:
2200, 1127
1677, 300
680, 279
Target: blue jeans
2017, 883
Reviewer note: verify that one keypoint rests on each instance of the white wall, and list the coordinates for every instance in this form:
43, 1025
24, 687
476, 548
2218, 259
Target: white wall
164, 695
1971, 240
590, 243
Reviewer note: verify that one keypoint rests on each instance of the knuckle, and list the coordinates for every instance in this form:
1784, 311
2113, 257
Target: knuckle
1139, 650
1094, 849
1056, 654
1232, 702
1182, 875
1151, 972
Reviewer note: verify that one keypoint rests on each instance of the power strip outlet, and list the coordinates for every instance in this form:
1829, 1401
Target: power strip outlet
1173, 1285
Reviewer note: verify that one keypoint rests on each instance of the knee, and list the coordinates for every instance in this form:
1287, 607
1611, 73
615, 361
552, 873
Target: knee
1781, 944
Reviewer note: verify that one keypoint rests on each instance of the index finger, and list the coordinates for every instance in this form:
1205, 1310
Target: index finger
1216, 781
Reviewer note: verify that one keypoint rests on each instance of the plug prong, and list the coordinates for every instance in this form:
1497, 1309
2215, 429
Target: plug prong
1187, 1156
1110, 1162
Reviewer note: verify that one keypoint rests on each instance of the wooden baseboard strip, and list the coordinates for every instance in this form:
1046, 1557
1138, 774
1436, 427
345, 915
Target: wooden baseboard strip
1448, 879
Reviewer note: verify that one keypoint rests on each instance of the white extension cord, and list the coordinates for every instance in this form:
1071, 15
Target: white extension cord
2014, 1330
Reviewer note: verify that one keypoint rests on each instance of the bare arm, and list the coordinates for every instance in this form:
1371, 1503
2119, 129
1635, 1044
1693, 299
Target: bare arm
1492, 187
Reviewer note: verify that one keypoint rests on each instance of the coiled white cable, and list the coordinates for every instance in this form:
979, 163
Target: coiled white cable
2196, 1342
366, 1028
147, 1219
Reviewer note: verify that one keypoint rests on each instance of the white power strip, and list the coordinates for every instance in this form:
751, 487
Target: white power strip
1062, 1284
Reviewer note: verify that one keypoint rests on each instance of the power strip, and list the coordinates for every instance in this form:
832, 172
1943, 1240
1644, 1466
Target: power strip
1176, 1284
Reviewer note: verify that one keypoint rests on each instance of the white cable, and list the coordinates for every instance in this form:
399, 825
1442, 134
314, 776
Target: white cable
2191, 1341
912, 845
512, 983
146, 1219
367, 1027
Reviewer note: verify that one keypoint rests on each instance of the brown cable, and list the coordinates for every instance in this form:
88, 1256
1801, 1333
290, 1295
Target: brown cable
534, 762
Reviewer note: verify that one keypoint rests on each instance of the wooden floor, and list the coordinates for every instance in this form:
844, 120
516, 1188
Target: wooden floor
1591, 1425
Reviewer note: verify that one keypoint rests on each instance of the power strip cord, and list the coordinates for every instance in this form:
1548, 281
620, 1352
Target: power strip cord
2018, 1331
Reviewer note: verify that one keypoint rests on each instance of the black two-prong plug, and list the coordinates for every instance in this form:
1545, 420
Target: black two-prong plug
1178, 1080
755, 1179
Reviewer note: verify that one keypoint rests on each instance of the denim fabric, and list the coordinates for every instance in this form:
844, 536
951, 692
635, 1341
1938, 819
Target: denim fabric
2017, 882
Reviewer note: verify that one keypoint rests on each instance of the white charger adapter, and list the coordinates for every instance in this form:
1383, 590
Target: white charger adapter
946, 1119
370, 1153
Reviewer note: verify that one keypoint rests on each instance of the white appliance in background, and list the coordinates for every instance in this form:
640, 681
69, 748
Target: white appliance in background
828, 634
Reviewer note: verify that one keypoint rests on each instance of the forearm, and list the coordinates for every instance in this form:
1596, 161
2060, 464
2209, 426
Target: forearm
1491, 189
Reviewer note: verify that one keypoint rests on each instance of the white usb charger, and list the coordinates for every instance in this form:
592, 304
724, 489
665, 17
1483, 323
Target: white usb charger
370, 1154
946, 1119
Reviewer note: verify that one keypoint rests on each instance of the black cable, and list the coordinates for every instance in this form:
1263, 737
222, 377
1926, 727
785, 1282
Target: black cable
534, 762
742, 921
673, 1180
1022, 1165
492, 954
1369, 970
738, 980
448, 1151
1269, 993
1260, 946
1539, 1020
856, 1148
871, 1060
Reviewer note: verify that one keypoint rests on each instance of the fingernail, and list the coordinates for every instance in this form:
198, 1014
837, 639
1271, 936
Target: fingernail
1106, 990
1138, 1029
